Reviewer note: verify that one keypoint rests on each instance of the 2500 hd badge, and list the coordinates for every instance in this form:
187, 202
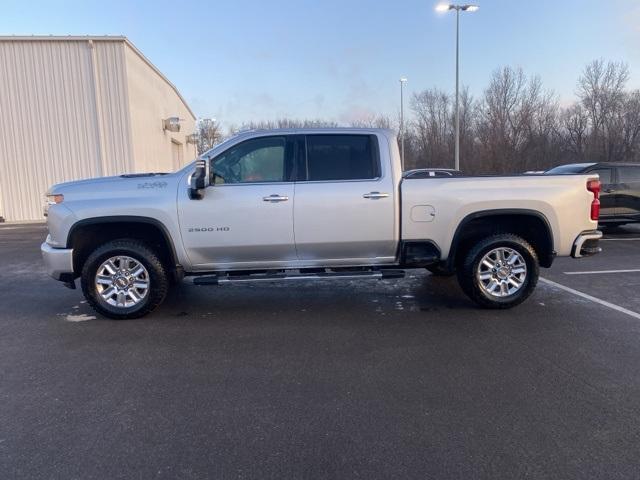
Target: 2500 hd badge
208, 229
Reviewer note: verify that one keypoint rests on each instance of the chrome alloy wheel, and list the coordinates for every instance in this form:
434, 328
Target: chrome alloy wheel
501, 272
122, 281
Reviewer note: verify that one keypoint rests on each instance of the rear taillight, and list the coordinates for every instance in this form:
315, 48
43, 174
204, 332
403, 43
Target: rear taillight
594, 187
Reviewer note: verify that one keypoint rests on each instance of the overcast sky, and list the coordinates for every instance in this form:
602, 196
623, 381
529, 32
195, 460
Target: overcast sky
341, 59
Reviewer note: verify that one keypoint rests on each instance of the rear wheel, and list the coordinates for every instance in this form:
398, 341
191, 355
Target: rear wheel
500, 271
124, 279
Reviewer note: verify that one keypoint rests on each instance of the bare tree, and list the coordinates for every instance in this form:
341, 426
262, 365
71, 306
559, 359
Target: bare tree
514, 126
630, 131
209, 133
283, 123
601, 89
377, 121
433, 127
468, 127
574, 127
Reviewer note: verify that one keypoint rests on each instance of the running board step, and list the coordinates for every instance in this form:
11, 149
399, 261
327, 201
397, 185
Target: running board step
271, 277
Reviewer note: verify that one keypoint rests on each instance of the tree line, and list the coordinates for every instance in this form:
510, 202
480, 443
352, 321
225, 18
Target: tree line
515, 125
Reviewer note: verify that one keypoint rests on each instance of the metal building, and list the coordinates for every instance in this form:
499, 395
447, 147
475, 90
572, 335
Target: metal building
80, 107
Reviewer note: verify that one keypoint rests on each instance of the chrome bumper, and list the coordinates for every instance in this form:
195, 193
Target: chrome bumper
586, 244
58, 261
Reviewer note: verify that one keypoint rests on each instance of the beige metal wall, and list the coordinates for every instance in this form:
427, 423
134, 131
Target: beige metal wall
46, 92
151, 99
76, 107
111, 99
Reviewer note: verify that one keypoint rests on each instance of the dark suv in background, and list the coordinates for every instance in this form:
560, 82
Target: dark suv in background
620, 194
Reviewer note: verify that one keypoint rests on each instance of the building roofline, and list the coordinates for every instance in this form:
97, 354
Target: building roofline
99, 38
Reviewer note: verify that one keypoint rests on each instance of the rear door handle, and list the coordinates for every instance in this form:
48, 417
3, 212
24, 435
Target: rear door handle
275, 198
375, 195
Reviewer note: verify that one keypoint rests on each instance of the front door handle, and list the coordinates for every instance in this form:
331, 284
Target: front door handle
375, 195
275, 198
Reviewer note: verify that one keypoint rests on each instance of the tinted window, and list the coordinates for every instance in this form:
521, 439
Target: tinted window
256, 160
568, 169
605, 175
629, 174
341, 157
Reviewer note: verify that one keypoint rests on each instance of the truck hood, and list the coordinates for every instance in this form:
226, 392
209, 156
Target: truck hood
127, 181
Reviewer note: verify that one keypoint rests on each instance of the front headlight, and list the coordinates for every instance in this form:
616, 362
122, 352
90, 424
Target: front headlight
54, 198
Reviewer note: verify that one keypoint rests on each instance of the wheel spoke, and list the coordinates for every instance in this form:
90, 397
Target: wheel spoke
139, 269
123, 262
486, 276
104, 280
110, 267
141, 284
134, 295
513, 281
488, 263
108, 292
518, 270
121, 299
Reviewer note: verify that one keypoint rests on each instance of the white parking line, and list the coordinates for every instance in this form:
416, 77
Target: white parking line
591, 272
613, 306
20, 227
619, 239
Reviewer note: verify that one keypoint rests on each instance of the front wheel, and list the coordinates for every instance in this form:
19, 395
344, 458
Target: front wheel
124, 279
500, 271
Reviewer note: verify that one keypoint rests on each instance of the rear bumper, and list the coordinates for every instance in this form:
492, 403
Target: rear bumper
586, 244
58, 261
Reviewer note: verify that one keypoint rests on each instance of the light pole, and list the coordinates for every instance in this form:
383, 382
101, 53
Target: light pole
403, 80
443, 7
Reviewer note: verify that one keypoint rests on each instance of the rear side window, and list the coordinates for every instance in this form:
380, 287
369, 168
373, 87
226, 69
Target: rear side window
604, 173
342, 157
629, 174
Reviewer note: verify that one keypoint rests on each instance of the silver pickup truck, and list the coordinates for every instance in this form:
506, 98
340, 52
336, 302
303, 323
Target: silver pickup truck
311, 204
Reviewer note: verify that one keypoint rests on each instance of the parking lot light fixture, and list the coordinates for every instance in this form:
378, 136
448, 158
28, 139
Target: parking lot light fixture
443, 7
403, 80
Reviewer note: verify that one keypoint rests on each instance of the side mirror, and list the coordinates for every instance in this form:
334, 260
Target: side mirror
199, 180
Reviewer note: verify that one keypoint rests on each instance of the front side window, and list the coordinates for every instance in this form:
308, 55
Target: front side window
254, 161
341, 157
605, 175
629, 174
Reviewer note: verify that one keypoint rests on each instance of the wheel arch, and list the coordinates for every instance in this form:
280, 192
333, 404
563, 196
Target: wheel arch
90, 232
531, 225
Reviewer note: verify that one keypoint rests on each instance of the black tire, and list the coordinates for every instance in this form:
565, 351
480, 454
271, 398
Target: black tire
439, 270
469, 266
158, 282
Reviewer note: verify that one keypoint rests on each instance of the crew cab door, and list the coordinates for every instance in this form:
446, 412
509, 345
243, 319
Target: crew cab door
245, 218
344, 212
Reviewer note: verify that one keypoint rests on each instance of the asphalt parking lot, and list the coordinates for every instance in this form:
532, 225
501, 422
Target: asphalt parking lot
350, 380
